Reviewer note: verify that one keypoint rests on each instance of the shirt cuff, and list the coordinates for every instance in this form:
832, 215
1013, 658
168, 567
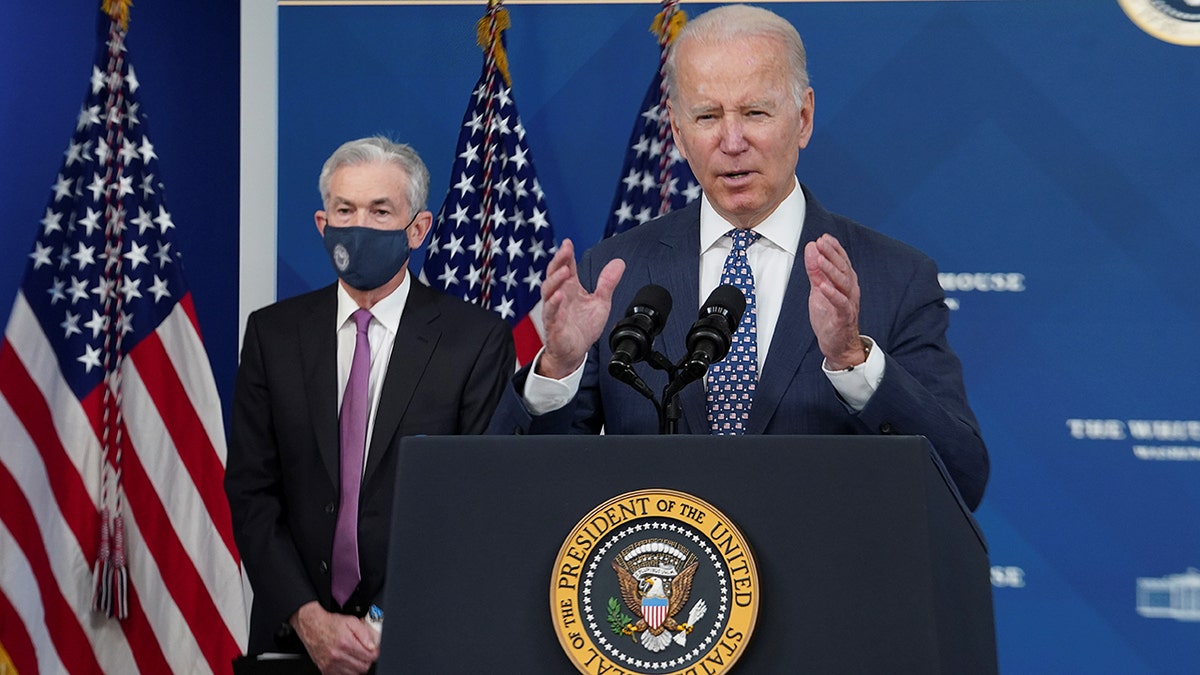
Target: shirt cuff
543, 394
856, 384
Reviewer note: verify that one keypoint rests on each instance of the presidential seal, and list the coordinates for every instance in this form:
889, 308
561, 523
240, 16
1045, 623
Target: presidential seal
1174, 21
654, 581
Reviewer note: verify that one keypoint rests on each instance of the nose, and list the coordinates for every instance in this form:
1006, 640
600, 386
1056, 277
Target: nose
733, 138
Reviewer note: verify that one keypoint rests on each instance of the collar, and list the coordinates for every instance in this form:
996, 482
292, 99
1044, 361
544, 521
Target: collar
782, 228
387, 311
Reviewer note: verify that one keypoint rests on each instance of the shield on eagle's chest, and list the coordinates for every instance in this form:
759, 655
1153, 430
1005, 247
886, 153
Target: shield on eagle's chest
654, 611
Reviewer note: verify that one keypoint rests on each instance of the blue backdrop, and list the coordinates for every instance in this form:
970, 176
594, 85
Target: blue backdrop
1046, 154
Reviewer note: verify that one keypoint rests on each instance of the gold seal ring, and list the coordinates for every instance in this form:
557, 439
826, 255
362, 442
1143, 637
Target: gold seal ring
654, 581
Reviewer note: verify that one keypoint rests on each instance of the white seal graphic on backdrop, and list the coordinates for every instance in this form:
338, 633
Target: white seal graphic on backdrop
1174, 21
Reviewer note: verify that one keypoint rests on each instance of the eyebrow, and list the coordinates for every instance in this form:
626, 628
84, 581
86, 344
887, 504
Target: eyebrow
386, 201
758, 104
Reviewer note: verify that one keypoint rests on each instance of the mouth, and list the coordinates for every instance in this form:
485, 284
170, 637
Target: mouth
735, 176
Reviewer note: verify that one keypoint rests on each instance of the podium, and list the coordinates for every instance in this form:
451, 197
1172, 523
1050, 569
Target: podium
868, 560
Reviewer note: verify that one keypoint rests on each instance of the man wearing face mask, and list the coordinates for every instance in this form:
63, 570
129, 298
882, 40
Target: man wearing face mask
329, 383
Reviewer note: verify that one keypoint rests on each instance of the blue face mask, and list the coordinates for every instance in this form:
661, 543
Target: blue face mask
364, 257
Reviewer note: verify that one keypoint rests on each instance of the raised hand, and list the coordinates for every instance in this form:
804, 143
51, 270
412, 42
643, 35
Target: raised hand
833, 302
573, 318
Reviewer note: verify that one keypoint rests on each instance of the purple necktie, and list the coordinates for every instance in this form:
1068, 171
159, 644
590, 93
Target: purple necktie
731, 381
355, 405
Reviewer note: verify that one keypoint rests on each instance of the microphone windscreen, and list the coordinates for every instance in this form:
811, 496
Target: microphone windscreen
728, 300
656, 298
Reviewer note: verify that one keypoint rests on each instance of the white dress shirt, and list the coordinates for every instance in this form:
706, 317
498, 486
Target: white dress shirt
771, 259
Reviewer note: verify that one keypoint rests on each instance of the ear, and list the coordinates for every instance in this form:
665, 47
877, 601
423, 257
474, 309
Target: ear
319, 218
806, 118
420, 228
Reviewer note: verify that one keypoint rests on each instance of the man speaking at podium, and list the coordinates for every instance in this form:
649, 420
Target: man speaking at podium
844, 329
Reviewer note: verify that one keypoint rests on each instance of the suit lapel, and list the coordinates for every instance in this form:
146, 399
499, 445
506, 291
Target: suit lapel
794, 339
680, 270
416, 339
318, 364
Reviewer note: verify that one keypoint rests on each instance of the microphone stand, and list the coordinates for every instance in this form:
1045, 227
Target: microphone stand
669, 412
711, 335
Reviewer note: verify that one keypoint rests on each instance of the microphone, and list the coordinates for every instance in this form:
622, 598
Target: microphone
710, 336
632, 336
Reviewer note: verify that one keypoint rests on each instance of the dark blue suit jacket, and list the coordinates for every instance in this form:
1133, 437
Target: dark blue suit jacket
902, 309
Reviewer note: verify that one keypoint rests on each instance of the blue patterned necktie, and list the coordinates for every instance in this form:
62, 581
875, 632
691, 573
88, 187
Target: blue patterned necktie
345, 573
731, 381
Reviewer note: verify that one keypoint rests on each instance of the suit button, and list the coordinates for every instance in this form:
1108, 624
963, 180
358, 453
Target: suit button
330, 508
358, 610
886, 428
324, 567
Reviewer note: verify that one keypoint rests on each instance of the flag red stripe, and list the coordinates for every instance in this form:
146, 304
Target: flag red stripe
15, 639
28, 404
63, 628
527, 340
187, 432
178, 570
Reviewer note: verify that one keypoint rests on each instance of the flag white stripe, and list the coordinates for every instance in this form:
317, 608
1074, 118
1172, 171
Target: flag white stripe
182, 344
19, 584
535, 315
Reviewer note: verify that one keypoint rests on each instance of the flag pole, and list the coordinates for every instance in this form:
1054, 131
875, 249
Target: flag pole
497, 204
666, 26
110, 577
655, 179
489, 30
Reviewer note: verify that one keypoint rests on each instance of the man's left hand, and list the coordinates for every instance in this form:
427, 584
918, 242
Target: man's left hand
833, 302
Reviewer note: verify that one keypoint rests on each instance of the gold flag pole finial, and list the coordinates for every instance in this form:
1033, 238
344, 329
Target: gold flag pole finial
677, 18
488, 31
118, 10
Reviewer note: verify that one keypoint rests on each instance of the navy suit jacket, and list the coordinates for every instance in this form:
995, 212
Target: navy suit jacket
902, 308
449, 365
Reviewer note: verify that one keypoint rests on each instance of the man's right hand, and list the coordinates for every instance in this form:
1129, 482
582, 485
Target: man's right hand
573, 318
338, 644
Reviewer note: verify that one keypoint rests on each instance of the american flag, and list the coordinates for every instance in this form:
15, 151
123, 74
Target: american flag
112, 444
493, 239
654, 179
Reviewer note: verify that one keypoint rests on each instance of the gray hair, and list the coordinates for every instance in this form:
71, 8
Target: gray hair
381, 150
723, 24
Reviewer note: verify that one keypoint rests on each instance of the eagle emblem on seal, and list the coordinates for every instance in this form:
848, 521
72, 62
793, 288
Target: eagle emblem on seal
655, 578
